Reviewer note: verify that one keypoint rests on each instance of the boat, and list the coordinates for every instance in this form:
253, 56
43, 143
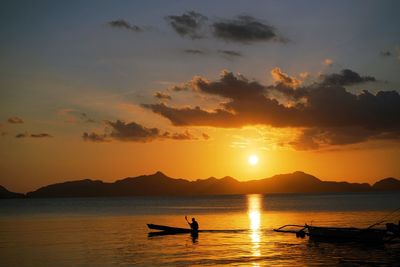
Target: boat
365, 235
163, 230
170, 229
344, 234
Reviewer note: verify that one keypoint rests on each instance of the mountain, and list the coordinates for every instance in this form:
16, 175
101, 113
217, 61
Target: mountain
4, 193
300, 182
159, 184
387, 184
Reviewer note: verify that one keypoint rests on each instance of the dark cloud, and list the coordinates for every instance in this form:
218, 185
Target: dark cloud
134, 132
292, 87
75, 116
314, 138
179, 136
195, 116
15, 120
188, 24
39, 135
385, 53
229, 86
230, 53
182, 87
84, 117
22, 135
94, 137
326, 111
123, 24
194, 51
161, 95
345, 77
244, 29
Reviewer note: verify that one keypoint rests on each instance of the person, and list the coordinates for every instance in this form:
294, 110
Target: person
193, 225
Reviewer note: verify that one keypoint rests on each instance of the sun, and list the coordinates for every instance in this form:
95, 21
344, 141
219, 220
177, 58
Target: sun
253, 160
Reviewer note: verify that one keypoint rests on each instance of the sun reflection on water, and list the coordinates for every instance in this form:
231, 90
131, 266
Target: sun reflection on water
254, 207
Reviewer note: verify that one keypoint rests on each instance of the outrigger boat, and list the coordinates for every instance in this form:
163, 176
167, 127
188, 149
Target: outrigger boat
368, 235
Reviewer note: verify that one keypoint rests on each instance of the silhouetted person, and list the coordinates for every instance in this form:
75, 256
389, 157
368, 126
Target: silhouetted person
193, 225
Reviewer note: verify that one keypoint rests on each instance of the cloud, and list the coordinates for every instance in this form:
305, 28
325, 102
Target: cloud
314, 138
181, 87
194, 51
230, 53
287, 85
385, 53
161, 95
345, 77
241, 29
229, 86
75, 116
39, 135
123, 24
304, 75
326, 112
179, 136
189, 24
244, 29
284, 79
15, 120
94, 137
22, 135
328, 62
134, 132
195, 116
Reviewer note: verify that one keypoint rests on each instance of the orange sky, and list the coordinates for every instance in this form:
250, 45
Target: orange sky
34, 163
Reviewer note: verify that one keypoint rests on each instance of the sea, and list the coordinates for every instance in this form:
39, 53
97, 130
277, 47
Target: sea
114, 232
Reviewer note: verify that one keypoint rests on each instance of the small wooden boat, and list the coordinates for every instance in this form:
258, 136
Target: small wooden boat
169, 229
163, 230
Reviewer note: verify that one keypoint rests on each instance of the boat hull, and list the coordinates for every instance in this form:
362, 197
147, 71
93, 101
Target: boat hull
346, 234
169, 229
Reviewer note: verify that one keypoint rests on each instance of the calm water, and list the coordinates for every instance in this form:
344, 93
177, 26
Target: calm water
113, 232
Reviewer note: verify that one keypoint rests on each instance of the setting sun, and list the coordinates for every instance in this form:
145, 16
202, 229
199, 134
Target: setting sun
253, 160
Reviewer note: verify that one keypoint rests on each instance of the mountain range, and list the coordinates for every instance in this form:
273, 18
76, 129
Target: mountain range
158, 184
4, 193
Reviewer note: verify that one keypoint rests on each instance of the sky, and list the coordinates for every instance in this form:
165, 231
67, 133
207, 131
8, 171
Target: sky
111, 89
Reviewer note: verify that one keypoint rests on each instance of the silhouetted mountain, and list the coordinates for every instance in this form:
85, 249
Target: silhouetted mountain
160, 184
80, 188
387, 184
300, 182
4, 193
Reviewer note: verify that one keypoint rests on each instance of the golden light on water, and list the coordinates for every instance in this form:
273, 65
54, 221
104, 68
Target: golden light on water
254, 207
